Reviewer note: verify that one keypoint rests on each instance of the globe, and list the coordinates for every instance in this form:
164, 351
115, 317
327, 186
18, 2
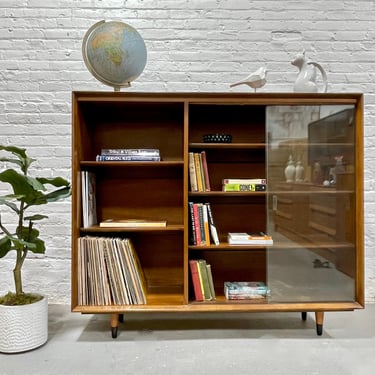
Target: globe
114, 53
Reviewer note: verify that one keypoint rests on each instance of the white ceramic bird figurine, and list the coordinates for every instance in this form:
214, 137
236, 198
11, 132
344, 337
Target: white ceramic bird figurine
255, 80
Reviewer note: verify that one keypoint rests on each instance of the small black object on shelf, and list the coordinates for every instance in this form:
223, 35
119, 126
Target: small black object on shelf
217, 138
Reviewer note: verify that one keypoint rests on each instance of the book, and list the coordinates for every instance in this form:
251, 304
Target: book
192, 231
244, 187
131, 151
206, 225
201, 223
213, 230
203, 276
198, 170
195, 279
211, 281
132, 223
262, 181
88, 187
245, 289
206, 177
244, 238
192, 173
127, 158
197, 224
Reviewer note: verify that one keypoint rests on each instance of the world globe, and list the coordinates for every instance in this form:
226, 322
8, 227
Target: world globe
114, 53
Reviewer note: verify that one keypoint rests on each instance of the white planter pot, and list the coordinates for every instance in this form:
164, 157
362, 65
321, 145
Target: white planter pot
23, 327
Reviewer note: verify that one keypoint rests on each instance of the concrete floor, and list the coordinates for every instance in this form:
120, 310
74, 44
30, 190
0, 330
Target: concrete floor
271, 343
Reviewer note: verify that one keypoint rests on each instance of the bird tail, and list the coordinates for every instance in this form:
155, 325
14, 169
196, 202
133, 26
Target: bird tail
236, 84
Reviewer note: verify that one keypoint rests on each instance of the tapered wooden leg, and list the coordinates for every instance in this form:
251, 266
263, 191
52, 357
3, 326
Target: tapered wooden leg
114, 324
319, 318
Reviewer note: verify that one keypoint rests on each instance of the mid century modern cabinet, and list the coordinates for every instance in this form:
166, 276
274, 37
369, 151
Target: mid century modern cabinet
315, 217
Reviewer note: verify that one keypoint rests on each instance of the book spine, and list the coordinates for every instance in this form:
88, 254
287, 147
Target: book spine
127, 158
201, 223
211, 281
244, 187
192, 173
193, 235
213, 230
205, 171
196, 224
195, 279
206, 225
131, 151
202, 269
262, 181
198, 172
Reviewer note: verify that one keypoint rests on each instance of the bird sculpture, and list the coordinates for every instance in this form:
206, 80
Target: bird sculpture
255, 80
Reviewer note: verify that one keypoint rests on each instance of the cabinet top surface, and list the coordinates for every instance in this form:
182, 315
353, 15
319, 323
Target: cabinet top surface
217, 96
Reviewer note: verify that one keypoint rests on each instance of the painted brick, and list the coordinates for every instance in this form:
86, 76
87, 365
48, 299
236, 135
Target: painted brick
192, 45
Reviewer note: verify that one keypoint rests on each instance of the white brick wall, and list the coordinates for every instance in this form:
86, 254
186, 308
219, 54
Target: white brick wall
193, 45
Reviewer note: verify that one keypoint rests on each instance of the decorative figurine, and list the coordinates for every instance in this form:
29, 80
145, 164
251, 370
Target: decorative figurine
255, 80
290, 170
300, 172
306, 79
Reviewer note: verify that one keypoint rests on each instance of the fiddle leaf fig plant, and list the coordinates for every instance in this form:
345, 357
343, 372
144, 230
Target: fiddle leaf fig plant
19, 234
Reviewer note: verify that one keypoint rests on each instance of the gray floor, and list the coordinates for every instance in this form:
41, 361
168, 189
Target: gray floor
271, 343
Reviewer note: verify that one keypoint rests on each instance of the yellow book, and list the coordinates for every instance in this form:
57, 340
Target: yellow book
198, 170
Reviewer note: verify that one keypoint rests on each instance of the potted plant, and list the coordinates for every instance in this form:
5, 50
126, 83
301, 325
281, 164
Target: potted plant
23, 316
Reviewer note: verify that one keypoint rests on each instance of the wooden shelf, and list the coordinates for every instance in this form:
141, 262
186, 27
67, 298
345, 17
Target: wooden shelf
307, 221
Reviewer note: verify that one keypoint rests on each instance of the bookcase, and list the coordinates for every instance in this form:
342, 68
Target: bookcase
315, 219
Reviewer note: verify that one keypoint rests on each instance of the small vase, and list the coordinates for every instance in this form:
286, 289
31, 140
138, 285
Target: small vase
290, 170
300, 172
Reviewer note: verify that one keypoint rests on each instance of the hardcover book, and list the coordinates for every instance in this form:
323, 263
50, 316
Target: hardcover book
133, 223
195, 279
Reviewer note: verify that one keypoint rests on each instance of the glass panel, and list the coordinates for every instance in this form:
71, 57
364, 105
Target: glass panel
311, 200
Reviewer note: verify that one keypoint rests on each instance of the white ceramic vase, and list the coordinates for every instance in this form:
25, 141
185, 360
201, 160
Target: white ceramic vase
23, 327
300, 172
290, 170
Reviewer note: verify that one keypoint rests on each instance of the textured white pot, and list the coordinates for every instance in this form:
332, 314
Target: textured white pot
23, 327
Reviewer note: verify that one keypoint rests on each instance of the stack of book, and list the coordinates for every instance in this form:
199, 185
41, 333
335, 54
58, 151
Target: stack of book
129, 154
198, 172
203, 230
246, 290
244, 184
201, 275
244, 238
109, 272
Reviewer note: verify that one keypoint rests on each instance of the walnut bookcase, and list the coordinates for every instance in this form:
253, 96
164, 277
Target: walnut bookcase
316, 262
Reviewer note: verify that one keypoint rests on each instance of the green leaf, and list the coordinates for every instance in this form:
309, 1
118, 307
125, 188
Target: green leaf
5, 246
35, 217
23, 161
56, 181
5, 201
21, 186
19, 244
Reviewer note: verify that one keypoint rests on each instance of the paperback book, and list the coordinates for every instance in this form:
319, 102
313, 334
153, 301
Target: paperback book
129, 154
244, 187
246, 290
244, 238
